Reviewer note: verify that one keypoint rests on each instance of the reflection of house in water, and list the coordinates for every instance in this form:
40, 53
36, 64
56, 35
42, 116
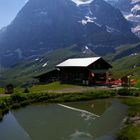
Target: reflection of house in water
79, 71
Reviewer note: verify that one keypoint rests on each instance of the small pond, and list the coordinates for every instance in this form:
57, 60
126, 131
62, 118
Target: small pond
86, 120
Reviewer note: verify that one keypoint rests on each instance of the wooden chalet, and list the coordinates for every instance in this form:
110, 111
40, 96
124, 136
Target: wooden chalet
85, 71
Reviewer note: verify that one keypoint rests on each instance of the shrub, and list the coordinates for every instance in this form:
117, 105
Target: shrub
129, 92
18, 97
2, 104
25, 103
129, 133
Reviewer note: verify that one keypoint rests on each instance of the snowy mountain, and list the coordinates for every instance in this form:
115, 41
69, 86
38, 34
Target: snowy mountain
82, 2
131, 11
45, 25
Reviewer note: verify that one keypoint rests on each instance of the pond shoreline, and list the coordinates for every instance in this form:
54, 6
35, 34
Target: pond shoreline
131, 125
18, 100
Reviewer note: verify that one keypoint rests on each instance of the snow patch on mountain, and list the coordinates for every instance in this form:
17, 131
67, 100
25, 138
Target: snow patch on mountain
136, 30
43, 13
45, 64
135, 8
86, 20
89, 19
41, 60
131, 11
135, 1
36, 59
81, 2
133, 18
111, 30
111, 0
86, 47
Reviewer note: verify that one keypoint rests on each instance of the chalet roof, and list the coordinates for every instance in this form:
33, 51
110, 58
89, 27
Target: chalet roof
78, 62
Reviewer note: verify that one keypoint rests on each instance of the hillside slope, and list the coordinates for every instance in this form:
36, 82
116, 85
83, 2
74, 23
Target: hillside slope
126, 60
24, 72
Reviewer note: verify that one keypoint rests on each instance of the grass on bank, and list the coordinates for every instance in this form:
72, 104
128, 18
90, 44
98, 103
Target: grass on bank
131, 130
52, 86
129, 133
56, 87
17, 100
134, 105
44, 88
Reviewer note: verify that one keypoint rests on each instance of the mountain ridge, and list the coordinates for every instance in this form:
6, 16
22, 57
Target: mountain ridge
43, 26
131, 11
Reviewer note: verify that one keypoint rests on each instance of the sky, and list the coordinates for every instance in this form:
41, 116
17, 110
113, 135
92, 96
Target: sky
8, 10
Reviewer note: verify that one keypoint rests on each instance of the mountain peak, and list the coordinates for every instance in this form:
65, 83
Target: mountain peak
82, 2
46, 25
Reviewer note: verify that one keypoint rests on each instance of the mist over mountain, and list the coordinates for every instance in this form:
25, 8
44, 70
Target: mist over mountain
46, 25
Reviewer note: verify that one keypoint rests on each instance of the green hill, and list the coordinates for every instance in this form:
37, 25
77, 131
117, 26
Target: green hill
123, 51
125, 60
127, 65
25, 71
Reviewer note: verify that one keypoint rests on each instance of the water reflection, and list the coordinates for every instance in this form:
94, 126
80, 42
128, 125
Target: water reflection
64, 122
11, 130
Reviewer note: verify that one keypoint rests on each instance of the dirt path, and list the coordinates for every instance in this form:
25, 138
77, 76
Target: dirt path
74, 90
4, 95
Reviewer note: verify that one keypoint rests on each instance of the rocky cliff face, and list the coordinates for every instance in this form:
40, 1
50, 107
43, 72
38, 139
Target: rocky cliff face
43, 26
131, 11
